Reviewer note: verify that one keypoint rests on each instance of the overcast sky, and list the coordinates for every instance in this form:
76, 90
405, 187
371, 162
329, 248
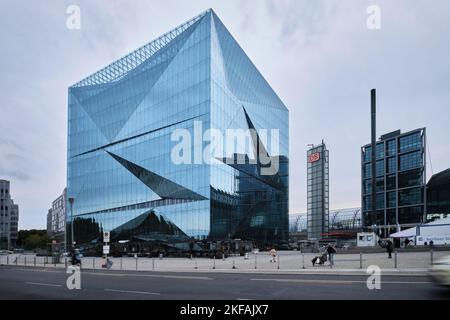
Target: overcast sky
319, 56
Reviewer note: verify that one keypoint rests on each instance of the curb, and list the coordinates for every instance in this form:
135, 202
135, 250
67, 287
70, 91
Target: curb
351, 272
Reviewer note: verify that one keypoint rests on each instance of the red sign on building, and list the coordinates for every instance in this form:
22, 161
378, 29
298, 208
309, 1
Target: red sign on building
314, 157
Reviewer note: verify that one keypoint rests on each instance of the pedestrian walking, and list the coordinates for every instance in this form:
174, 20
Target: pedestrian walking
389, 248
331, 251
273, 255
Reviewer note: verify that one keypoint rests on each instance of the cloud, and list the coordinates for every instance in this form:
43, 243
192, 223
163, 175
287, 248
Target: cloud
317, 55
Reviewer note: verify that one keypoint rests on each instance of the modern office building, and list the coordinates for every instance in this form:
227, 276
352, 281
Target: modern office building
438, 195
318, 191
9, 217
56, 217
139, 127
400, 181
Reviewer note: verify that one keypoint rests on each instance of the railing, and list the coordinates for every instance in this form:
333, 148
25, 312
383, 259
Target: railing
285, 260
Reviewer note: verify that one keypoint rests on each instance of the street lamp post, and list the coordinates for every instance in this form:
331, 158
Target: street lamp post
71, 201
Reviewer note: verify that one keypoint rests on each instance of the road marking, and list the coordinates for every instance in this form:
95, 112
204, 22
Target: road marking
307, 281
31, 270
105, 274
136, 292
148, 275
188, 277
405, 282
44, 284
338, 281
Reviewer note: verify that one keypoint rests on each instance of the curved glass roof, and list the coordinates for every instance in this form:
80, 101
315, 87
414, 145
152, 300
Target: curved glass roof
342, 219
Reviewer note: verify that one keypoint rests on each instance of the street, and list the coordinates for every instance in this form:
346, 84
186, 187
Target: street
41, 283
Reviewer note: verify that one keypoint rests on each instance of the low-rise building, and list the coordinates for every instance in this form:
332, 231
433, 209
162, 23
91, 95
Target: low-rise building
9, 217
56, 218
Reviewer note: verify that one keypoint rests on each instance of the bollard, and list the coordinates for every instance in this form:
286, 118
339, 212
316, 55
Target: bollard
120, 263
25, 261
431, 256
303, 261
234, 265
153, 264
360, 260
331, 260
214, 262
196, 266
65, 262
136, 262
7, 260
93, 263
34, 261
278, 267
256, 266
395, 258
54, 261
223, 257
17, 258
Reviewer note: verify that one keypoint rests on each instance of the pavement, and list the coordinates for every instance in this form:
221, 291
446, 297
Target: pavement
50, 283
287, 262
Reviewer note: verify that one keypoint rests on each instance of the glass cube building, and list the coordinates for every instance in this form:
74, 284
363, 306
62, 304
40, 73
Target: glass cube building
400, 180
121, 121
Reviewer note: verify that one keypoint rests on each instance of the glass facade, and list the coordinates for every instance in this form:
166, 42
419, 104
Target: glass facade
400, 181
121, 173
438, 195
318, 191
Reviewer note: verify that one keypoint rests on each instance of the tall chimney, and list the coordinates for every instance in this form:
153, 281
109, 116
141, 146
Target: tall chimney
374, 148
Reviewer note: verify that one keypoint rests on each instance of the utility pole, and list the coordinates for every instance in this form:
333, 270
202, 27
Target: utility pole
71, 201
374, 151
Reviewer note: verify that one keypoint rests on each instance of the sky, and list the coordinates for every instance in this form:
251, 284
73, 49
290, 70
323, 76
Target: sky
319, 56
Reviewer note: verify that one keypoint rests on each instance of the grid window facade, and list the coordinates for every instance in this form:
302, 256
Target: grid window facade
411, 142
318, 192
411, 161
402, 183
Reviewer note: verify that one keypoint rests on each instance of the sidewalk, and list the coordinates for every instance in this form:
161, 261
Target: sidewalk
411, 263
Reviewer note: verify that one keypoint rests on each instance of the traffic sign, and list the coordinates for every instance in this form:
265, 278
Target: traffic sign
106, 249
106, 236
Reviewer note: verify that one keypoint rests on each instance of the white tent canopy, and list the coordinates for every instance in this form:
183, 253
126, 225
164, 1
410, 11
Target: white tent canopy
438, 227
404, 233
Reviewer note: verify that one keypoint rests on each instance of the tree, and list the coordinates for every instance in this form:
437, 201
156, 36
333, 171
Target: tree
33, 239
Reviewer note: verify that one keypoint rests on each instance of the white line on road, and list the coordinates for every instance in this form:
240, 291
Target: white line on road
105, 274
338, 281
147, 275
188, 277
136, 292
307, 281
35, 270
44, 284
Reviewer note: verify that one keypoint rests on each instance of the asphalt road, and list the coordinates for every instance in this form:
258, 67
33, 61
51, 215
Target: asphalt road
39, 283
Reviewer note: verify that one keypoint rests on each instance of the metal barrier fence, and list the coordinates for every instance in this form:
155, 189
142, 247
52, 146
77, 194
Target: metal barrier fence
286, 260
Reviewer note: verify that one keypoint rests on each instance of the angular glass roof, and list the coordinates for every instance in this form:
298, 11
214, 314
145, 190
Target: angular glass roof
118, 69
